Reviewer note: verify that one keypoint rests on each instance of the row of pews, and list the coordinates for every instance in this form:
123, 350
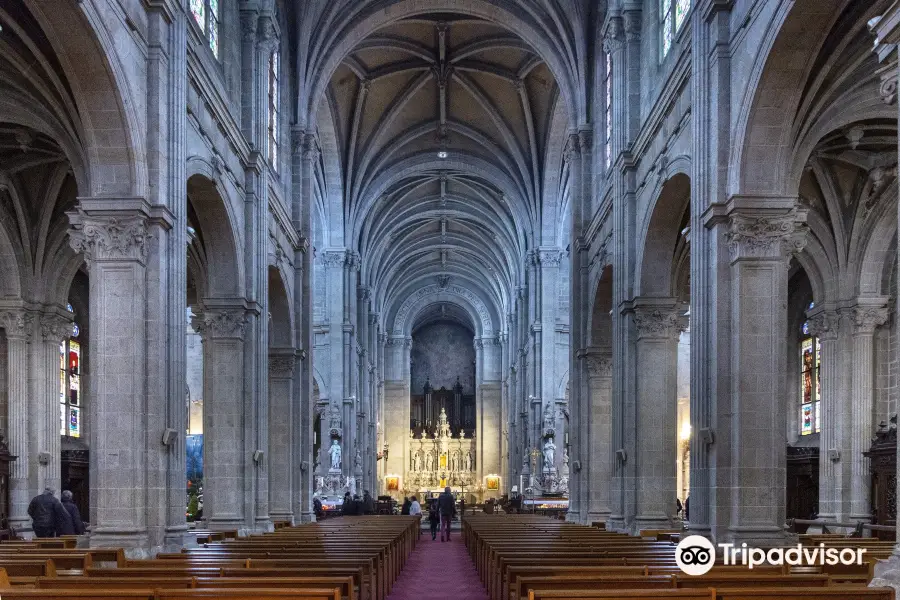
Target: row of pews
355, 558
535, 558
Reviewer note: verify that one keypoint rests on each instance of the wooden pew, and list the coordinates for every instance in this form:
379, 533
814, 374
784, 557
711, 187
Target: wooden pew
251, 594
112, 583
345, 584
670, 594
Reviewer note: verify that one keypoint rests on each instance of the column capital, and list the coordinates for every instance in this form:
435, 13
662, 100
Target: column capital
572, 149
866, 317
220, 323
765, 232
823, 324
268, 33
54, 327
599, 363
110, 229
550, 256
17, 323
663, 320
613, 35
334, 258
364, 292
281, 365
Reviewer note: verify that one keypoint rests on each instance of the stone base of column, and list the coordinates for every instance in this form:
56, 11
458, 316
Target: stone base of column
601, 516
573, 517
176, 538
760, 537
616, 523
887, 573
307, 517
135, 542
649, 522
226, 524
276, 516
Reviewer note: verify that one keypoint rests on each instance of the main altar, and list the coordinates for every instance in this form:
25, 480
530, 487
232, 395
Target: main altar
440, 461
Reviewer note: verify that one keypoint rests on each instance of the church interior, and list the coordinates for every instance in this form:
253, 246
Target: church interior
626, 266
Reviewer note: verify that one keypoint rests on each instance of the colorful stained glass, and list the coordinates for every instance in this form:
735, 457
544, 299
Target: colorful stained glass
818, 417
806, 419
608, 110
63, 414
681, 10
804, 329
198, 9
74, 421
214, 37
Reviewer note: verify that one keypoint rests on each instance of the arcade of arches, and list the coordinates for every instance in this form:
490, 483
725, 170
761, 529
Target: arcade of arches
610, 253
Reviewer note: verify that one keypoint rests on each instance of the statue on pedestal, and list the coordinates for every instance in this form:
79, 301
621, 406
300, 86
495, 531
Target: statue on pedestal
357, 462
549, 452
429, 462
469, 461
335, 452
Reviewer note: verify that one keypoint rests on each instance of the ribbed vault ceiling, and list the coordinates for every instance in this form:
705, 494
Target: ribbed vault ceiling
442, 125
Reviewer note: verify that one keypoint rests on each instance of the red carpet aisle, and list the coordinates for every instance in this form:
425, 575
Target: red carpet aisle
439, 571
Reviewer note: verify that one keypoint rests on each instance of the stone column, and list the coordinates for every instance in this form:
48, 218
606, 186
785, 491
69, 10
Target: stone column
222, 333
824, 325
281, 434
44, 418
18, 325
764, 232
599, 369
112, 235
868, 314
659, 321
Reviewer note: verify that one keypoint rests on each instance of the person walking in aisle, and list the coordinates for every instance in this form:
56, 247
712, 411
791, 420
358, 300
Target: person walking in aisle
447, 508
69, 504
434, 517
404, 510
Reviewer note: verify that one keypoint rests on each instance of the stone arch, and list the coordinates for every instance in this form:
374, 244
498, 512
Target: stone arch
655, 268
877, 254
404, 318
763, 156
217, 233
110, 122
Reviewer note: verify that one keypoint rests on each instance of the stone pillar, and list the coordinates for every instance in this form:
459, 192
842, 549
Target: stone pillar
868, 314
44, 418
222, 332
764, 232
659, 321
599, 369
824, 325
281, 434
112, 235
18, 325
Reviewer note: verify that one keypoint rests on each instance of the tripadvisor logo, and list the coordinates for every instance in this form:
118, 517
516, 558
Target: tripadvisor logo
696, 555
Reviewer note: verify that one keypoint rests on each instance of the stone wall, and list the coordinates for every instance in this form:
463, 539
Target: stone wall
441, 352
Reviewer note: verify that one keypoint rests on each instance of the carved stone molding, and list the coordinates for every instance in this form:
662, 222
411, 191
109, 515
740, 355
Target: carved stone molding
599, 365
659, 322
220, 324
310, 147
17, 323
867, 318
249, 23
109, 239
753, 236
364, 292
55, 328
550, 258
888, 87
281, 365
823, 325
572, 150
268, 33
334, 258
614, 37
632, 22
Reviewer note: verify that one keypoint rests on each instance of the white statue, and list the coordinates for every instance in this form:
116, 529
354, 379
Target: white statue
335, 417
418, 461
357, 461
429, 462
454, 462
335, 452
549, 421
468, 461
549, 450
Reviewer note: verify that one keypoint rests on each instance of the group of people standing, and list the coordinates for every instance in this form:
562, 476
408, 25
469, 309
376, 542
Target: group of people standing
354, 505
53, 518
441, 512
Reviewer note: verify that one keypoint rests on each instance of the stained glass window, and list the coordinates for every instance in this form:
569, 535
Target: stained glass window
810, 382
672, 15
206, 15
608, 87
70, 399
273, 108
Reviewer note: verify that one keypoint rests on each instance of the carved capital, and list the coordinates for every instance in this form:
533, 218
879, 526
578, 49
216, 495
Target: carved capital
310, 147
249, 23
17, 323
659, 322
754, 236
364, 292
632, 22
55, 328
614, 37
268, 33
867, 318
281, 365
220, 324
109, 239
334, 258
550, 258
572, 150
888, 87
599, 365
823, 325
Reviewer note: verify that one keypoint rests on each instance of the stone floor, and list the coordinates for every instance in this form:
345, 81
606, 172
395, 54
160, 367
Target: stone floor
439, 571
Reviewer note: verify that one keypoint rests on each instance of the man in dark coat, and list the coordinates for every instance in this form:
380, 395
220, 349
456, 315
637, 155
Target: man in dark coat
404, 510
69, 504
46, 513
447, 508
347, 505
368, 503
